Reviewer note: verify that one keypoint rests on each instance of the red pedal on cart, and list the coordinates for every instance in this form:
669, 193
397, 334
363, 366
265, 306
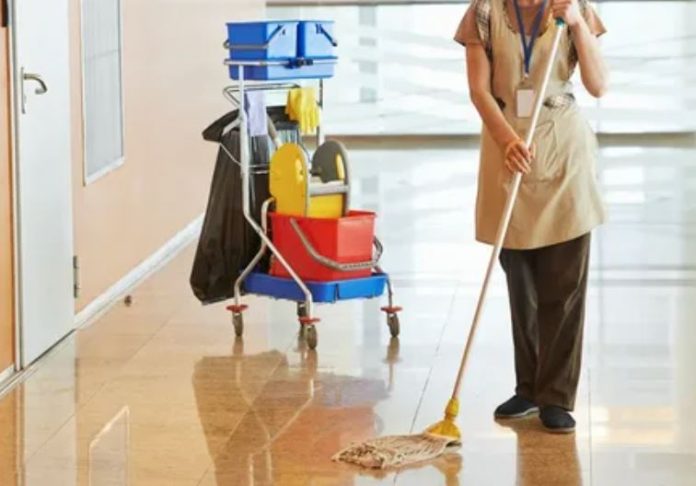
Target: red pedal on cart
345, 240
237, 309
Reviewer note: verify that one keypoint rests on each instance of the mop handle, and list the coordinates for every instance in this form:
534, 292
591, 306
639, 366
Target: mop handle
507, 213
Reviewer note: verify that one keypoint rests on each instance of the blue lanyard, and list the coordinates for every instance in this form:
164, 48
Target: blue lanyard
527, 48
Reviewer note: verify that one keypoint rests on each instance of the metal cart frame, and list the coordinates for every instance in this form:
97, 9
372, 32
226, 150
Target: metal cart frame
305, 309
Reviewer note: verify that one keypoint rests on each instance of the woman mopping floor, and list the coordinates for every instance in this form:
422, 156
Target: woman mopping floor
537, 203
546, 250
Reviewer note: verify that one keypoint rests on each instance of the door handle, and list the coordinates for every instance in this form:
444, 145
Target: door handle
40, 90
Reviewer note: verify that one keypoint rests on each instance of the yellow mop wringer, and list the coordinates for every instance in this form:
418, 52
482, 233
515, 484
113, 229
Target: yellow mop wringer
402, 450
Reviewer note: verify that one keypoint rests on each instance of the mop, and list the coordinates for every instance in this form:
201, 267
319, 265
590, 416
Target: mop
400, 450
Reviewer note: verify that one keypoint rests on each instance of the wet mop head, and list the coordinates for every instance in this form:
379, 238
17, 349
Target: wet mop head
396, 450
403, 450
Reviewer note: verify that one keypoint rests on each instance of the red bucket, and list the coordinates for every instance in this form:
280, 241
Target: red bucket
344, 240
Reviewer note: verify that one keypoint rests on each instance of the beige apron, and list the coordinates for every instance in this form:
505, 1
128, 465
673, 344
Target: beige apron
559, 199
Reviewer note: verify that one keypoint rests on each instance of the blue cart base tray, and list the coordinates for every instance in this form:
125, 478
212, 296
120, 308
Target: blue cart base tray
322, 292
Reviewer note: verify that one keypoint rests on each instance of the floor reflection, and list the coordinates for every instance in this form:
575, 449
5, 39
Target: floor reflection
540, 453
111, 446
293, 418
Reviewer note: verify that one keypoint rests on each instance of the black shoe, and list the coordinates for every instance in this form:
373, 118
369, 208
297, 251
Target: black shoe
557, 420
516, 407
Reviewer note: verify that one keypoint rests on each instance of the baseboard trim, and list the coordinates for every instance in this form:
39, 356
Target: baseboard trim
6, 375
154, 262
8, 380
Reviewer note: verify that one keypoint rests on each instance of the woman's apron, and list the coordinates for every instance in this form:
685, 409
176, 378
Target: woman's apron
559, 199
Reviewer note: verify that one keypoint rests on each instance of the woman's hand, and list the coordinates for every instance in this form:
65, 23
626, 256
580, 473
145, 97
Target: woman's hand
568, 10
593, 69
518, 158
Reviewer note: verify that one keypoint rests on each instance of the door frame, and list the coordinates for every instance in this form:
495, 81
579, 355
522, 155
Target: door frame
15, 109
14, 137
7, 371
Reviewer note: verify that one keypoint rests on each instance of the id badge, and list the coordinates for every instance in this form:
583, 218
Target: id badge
525, 102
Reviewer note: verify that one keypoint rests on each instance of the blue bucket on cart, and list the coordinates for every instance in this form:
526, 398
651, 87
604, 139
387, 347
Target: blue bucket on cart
282, 49
315, 39
270, 40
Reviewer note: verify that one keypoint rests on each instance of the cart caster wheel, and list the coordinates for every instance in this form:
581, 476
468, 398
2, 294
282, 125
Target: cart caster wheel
394, 325
311, 336
301, 310
238, 322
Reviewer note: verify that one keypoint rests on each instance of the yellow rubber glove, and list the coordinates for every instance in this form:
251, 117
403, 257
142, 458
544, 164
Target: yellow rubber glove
302, 107
294, 107
311, 112
293, 96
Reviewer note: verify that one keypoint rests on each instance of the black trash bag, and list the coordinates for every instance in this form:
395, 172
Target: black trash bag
228, 243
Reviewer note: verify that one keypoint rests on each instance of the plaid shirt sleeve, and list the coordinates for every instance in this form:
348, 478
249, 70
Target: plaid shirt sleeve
483, 24
474, 28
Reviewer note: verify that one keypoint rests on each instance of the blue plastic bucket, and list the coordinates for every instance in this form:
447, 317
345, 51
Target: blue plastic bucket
262, 40
315, 39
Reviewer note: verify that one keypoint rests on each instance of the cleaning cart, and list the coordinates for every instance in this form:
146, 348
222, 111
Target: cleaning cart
313, 249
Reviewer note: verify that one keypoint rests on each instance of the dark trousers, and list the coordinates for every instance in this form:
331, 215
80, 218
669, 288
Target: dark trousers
547, 288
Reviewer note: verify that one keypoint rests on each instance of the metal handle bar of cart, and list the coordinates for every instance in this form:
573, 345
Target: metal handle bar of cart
229, 93
266, 86
230, 90
262, 251
291, 63
262, 231
265, 245
253, 169
333, 264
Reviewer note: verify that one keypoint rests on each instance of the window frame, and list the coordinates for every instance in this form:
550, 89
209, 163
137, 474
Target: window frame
112, 166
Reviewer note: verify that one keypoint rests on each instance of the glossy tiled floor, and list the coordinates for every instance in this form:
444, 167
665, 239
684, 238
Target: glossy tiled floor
161, 393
